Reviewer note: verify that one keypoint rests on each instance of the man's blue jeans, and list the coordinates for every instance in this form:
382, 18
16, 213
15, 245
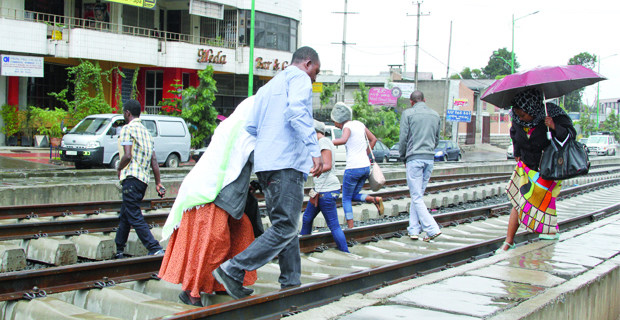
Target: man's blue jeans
418, 174
131, 216
352, 184
284, 195
327, 205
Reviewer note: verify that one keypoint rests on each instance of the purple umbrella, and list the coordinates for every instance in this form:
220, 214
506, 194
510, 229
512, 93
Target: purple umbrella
553, 82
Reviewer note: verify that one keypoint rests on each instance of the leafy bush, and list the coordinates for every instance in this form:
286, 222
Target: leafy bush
10, 118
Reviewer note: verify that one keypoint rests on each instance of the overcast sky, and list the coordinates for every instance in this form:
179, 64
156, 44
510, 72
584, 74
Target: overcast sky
560, 30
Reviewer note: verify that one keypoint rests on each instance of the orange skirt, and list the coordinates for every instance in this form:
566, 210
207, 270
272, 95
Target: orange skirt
206, 238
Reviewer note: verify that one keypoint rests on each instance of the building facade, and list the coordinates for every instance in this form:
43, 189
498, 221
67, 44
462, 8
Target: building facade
167, 41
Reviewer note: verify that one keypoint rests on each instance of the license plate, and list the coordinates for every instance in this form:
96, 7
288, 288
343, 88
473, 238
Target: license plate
71, 153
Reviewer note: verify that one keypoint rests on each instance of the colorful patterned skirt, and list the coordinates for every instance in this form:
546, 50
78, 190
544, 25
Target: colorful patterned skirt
206, 238
534, 199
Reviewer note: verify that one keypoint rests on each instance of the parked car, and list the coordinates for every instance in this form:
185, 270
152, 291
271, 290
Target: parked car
510, 151
94, 141
196, 154
380, 151
602, 145
334, 133
394, 154
447, 150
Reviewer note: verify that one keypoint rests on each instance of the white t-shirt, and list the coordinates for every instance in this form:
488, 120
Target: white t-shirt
356, 145
328, 181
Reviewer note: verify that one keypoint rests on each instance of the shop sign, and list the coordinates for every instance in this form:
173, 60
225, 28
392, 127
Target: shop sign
383, 96
275, 65
206, 56
148, 4
317, 87
458, 116
458, 103
406, 88
21, 66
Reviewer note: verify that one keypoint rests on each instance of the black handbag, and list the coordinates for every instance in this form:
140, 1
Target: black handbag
563, 162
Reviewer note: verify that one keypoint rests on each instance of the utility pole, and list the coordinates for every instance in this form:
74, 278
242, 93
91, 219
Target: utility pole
448, 86
344, 49
404, 59
417, 42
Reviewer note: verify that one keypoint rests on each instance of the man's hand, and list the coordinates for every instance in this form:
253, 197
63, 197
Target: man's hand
118, 173
517, 159
317, 169
161, 191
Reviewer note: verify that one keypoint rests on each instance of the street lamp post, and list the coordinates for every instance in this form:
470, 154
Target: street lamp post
598, 85
512, 53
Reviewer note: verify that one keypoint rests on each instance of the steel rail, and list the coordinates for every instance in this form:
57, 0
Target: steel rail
59, 279
34, 230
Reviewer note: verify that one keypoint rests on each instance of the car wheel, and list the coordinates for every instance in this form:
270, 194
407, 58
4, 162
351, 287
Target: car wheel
445, 158
172, 161
114, 163
79, 165
459, 158
385, 159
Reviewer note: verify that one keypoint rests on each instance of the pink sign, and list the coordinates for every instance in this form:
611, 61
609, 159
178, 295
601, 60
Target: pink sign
382, 96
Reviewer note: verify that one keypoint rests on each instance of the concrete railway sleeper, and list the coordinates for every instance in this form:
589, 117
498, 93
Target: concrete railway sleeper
126, 288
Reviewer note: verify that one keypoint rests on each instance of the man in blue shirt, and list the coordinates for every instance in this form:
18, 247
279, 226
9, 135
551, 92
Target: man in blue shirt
286, 151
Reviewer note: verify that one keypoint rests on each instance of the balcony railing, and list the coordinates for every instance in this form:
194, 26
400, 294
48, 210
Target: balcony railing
56, 22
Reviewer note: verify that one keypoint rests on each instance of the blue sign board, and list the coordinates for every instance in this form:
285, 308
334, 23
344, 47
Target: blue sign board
459, 116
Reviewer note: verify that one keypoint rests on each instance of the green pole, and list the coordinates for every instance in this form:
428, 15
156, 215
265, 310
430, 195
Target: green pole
598, 85
251, 72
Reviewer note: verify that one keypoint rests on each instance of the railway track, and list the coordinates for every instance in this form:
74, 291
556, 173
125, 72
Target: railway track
382, 257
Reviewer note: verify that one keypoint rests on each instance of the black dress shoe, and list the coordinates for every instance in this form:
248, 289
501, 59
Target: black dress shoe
247, 291
185, 299
119, 255
233, 287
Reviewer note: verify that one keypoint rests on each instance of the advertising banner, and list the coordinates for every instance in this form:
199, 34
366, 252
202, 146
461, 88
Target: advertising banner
317, 87
459, 103
405, 87
148, 4
384, 97
459, 116
21, 66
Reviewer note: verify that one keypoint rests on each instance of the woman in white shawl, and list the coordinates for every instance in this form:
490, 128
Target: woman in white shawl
206, 225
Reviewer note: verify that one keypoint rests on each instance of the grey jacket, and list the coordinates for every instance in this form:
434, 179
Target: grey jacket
232, 198
419, 132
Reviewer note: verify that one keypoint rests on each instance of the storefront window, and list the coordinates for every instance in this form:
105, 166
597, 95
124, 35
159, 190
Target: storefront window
271, 32
154, 91
55, 80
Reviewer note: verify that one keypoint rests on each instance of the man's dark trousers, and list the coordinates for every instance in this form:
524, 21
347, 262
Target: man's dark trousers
284, 195
131, 216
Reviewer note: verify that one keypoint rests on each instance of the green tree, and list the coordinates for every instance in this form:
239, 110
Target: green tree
468, 73
572, 100
328, 92
384, 124
586, 123
173, 106
86, 77
612, 125
199, 113
499, 64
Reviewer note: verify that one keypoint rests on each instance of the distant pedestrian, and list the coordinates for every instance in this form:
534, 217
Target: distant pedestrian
286, 151
328, 188
419, 136
533, 198
356, 137
133, 172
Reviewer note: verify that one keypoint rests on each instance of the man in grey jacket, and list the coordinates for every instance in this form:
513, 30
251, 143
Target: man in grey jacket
419, 136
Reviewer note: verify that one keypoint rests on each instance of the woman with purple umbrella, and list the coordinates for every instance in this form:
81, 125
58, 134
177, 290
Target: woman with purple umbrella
532, 197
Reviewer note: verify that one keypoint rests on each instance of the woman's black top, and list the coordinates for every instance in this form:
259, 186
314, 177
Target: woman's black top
530, 150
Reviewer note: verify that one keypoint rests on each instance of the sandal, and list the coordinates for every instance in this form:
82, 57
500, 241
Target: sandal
428, 239
414, 237
379, 205
510, 247
184, 297
543, 236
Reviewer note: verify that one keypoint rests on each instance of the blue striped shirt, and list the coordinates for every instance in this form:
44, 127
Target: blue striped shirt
282, 123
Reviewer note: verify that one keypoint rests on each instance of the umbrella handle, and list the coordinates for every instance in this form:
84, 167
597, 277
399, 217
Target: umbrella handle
549, 137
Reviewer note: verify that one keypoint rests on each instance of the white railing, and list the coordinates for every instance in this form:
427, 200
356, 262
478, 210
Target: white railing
63, 22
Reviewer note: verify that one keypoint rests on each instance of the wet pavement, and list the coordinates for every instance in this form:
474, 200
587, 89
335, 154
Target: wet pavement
16, 164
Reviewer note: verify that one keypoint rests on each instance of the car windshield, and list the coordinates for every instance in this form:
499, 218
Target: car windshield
441, 145
394, 147
90, 126
584, 140
599, 139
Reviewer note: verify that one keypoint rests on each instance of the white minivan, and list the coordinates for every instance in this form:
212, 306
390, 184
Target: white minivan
334, 133
94, 141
